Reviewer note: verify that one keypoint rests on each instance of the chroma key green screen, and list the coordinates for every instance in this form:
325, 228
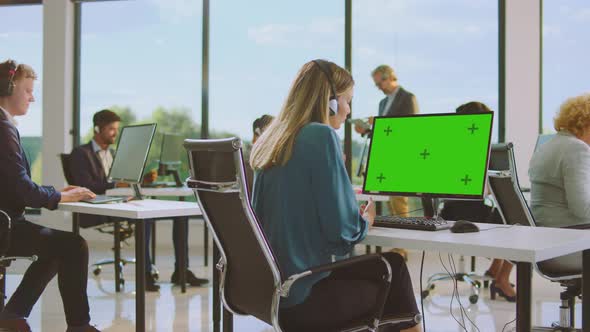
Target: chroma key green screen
439, 155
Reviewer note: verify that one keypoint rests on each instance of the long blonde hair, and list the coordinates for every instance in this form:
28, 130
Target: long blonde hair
307, 102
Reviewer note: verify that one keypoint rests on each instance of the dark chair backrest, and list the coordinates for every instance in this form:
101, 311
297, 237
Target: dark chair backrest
250, 273
5, 227
65, 165
504, 185
499, 157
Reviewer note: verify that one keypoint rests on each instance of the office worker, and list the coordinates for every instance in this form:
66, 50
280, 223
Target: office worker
397, 101
478, 211
90, 164
307, 207
61, 253
258, 127
560, 169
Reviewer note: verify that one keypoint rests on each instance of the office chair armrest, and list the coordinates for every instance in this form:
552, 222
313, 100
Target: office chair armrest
286, 286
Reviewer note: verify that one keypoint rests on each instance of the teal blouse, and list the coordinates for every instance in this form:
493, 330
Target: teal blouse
307, 208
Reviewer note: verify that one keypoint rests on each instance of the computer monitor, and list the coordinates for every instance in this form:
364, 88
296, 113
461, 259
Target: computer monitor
430, 155
171, 156
542, 139
132, 153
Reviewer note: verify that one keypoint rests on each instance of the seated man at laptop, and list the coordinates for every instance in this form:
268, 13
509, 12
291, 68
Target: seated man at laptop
90, 165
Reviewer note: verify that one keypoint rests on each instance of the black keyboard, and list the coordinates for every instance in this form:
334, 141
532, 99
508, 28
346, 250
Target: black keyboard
417, 223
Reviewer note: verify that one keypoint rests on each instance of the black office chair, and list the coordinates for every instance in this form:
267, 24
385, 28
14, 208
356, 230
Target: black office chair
513, 207
5, 228
105, 226
251, 281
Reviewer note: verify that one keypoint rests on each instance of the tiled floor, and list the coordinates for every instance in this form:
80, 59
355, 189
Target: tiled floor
169, 310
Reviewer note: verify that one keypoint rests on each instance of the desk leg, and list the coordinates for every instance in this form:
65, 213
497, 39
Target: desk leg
118, 265
140, 276
586, 291
183, 251
206, 243
76, 223
216, 306
524, 276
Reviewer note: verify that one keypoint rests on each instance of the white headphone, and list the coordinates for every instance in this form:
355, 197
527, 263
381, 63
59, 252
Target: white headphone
325, 68
97, 129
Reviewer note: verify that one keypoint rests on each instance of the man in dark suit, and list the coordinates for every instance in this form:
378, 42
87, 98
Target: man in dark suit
58, 252
90, 164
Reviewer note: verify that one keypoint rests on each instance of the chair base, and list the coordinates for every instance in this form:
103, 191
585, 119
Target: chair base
474, 280
555, 329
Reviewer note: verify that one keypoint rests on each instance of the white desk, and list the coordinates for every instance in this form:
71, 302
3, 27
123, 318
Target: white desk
153, 192
185, 191
138, 210
521, 244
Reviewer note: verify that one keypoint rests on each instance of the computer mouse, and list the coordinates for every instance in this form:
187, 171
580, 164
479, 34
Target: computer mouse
464, 226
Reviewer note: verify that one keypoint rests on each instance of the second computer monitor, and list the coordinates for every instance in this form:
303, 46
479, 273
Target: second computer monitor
172, 149
432, 155
132, 153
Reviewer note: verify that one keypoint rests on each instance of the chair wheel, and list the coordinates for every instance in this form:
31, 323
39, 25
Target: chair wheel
122, 282
473, 299
478, 283
431, 287
156, 276
97, 271
425, 294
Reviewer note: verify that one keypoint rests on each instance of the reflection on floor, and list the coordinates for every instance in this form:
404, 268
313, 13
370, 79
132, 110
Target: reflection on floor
170, 310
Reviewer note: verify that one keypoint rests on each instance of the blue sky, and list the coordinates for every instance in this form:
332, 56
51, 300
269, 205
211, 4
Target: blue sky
145, 54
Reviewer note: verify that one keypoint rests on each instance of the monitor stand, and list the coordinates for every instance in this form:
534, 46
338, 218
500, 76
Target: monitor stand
136, 191
434, 201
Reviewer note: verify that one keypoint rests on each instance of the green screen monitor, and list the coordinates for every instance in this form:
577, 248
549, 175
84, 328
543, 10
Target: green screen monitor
430, 155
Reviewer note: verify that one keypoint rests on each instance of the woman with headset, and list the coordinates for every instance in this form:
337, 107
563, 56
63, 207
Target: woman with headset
306, 204
58, 252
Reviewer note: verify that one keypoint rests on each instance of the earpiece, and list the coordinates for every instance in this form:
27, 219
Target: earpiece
6, 90
325, 68
97, 129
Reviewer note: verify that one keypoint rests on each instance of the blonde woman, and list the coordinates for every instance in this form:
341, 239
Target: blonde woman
304, 199
560, 169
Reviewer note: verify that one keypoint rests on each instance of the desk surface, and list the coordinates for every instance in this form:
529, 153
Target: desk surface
517, 243
161, 192
143, 209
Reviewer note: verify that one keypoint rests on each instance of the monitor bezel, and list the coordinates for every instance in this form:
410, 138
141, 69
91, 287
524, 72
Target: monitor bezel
430, 195
133, 181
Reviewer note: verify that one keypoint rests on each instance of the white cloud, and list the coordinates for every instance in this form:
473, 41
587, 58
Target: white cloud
316, 32
273, 33
551, 31
177, 10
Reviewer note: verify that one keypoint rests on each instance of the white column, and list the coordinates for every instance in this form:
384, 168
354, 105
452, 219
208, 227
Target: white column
523, 49
58, 60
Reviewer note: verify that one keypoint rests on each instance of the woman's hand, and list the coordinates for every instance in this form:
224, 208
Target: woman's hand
75, 194
369, 212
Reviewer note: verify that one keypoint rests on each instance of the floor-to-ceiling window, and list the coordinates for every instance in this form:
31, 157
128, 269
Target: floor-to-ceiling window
444, 52
256, 50
566, 25
21, 39
142, 59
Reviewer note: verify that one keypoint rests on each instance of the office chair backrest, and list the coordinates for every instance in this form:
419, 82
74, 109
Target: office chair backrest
499, 157
65, 165
250, 273
505, 188
5, 226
